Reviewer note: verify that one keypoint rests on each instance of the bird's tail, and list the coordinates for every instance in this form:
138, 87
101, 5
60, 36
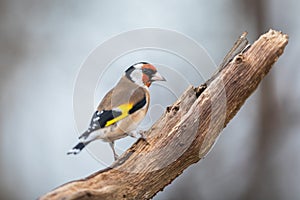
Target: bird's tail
75, 150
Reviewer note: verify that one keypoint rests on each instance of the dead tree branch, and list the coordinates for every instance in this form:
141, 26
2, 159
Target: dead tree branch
184, 134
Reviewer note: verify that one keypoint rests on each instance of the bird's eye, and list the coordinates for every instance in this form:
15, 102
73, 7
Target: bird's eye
148, 71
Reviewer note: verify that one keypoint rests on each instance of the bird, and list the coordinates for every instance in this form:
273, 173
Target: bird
122, 108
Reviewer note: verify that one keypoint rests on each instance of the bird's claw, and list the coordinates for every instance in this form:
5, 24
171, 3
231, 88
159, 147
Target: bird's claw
140, 132
143, 137
116, 157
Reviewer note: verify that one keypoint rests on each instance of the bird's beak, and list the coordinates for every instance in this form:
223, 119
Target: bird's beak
157, 77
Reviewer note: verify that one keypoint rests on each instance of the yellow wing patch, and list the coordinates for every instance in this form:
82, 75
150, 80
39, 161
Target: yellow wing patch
124, 108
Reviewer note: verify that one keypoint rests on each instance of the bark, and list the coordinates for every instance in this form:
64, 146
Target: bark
184, 134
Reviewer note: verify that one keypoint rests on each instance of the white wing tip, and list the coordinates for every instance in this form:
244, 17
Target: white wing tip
73, 151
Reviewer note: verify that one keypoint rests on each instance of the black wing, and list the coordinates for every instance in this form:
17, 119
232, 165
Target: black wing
99, 120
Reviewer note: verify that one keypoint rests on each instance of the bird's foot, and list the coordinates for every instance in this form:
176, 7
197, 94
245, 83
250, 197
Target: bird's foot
143, 136
140, 132
116, 157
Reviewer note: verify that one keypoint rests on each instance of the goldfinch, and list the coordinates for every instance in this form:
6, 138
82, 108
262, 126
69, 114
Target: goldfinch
122, 108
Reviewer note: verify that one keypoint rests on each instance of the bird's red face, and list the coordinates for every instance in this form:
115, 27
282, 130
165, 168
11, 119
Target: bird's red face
150, 74
143, 74
148, 70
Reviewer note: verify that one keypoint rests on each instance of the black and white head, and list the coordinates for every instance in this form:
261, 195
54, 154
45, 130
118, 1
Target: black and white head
143, 73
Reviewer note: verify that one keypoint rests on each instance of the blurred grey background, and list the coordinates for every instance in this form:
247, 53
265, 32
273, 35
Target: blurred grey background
44, 43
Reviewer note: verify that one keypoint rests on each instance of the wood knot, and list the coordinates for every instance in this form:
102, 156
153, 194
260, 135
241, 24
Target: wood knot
200, 89
88, 194
173, 108
169, 109
239, 59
